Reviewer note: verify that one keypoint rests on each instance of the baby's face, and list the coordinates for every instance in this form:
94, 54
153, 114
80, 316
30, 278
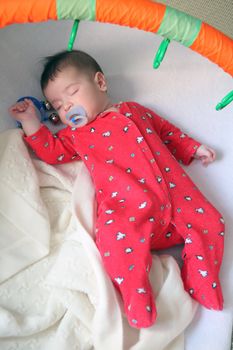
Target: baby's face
71, 88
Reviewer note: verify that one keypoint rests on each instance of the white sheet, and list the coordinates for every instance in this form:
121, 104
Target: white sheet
62, 298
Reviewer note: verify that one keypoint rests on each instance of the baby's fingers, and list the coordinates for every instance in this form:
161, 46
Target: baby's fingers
14, 109
19, 106
213, 154
28, 102
205, 161
22, 106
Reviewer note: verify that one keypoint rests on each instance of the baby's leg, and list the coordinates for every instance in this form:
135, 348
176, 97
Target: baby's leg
202, 228
127, 259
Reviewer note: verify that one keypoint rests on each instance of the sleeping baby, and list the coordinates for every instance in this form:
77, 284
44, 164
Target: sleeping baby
145, 200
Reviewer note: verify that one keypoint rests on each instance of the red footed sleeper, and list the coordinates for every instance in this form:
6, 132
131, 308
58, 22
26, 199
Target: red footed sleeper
145, 201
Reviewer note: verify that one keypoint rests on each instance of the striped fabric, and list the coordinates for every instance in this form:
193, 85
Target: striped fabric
142, 14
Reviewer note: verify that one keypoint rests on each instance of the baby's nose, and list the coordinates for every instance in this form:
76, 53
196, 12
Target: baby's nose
68, 105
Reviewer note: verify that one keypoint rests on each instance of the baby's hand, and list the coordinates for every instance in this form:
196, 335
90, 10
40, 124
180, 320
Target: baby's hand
23, 110
206, 154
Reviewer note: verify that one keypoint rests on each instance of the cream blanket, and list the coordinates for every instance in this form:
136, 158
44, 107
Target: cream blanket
54, 293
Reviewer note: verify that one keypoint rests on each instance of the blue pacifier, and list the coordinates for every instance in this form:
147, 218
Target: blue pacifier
77, 116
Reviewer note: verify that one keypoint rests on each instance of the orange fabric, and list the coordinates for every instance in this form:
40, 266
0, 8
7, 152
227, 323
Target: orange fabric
22, 11
216, 46
142, 14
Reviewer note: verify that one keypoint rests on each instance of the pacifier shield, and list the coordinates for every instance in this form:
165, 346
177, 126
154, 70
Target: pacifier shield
77, 116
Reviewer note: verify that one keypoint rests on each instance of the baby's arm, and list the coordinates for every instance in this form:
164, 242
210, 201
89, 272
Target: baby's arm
182, 146
179, 144
53, 149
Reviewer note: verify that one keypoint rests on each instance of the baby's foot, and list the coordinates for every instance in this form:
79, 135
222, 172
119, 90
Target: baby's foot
140, 308
202, 285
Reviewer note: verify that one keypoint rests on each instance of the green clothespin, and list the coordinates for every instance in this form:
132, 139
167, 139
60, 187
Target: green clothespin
161, 53
73, 35
225, 101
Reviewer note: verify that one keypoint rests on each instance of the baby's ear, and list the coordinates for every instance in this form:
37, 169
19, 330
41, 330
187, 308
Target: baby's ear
101, 81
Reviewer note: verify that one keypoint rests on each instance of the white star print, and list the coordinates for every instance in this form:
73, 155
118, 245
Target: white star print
159, 179
141, 290
142, 205
114, 194
140, 139
119, 280
60, 158
200, 210
109, 222
109, 211
120, 236
199, 257
106, 134
110, 161
128, 114
203, 273
128, 250
172, 185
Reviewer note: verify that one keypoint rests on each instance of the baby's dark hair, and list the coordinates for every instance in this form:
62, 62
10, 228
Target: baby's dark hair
76, 58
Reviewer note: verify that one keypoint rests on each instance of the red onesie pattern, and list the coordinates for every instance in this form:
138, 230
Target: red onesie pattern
145, 201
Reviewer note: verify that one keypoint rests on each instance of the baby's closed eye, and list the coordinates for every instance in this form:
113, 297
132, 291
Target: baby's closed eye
74, 92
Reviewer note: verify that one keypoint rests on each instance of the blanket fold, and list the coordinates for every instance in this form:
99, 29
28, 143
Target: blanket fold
54, 292
20, 246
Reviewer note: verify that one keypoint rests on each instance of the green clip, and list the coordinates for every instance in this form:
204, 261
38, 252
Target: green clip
160, 53
73, 35
225, 101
